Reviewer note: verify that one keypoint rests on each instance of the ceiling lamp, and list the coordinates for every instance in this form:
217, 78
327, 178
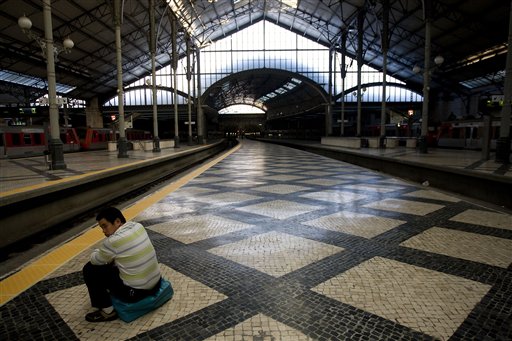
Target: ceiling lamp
437, 60
24, 23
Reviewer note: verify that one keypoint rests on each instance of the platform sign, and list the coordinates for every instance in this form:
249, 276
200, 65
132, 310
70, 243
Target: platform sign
27, 111
58, 100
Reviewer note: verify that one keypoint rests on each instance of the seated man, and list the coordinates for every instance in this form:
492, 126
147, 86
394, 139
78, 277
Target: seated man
124, 266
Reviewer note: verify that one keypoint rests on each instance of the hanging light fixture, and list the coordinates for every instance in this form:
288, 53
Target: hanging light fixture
439, 60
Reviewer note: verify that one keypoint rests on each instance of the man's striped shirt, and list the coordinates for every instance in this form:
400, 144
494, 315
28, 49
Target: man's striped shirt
133, 253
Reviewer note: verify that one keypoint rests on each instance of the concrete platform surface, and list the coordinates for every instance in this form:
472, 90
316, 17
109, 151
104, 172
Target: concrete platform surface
469, 160
15, 174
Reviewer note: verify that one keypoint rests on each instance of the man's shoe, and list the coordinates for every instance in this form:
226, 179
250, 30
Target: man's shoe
101, 316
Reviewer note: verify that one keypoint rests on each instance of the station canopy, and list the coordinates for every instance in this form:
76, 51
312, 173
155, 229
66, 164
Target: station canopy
471, 36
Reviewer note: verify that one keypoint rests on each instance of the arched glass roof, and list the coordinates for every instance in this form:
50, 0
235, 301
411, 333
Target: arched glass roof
266, 45
241, 109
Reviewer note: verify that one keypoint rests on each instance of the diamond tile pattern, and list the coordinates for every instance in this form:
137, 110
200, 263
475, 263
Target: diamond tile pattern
225, 198
273, 243
324, 182
275, 253
425, 300
283, 177
241, 183
189, 296
161, 209
340, 197
363, 225
373, 187
193, 191
279, 209
404, 206
432, 195
260, 327
354, 176
280, 189
194, 228
485, 218
206, 180
471, 246
317, 173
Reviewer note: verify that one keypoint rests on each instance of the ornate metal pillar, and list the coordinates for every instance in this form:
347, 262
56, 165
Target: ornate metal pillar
201, 136
55, 144
174, 62
384, 43
121, 143
152, 46
360, 21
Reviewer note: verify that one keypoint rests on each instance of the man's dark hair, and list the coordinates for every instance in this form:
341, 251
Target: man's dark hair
110, 214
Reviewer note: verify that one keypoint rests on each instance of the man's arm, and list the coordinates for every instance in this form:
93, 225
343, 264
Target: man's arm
104, 255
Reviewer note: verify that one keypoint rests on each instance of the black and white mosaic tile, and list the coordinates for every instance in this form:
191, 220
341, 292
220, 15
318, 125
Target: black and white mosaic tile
274, 243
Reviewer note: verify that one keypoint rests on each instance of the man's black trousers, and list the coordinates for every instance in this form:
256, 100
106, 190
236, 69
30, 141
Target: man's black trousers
103, 281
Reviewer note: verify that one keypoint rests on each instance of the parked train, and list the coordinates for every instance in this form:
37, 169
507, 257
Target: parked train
98, 138
467, 134
23, 141
461, 134
94, 138
26, 141
396, 130
403, 131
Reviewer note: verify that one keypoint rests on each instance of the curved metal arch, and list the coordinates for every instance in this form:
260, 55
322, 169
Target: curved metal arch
374, 84
144, 87
284, 75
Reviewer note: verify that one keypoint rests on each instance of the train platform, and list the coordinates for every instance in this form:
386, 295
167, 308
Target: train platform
22, 174
461, 159
267, 242
468, 173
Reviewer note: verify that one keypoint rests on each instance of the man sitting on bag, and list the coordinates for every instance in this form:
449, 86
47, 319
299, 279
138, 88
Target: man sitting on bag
124, 266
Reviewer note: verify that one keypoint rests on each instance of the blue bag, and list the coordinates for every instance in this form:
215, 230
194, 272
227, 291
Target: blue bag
132, 311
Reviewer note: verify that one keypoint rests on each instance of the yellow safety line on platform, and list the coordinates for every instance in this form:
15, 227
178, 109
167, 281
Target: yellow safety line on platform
20, 281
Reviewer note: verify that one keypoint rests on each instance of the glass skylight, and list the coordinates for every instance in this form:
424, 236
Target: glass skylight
265, 45
40, 83
488, 79
241, 109
291, 3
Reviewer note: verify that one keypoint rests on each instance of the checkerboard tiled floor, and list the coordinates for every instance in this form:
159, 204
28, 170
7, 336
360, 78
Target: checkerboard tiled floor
278, 244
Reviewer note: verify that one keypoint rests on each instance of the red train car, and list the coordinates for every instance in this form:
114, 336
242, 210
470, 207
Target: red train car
98, 138
94, 138
467, 134
138, 134
70, 139
25, 141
